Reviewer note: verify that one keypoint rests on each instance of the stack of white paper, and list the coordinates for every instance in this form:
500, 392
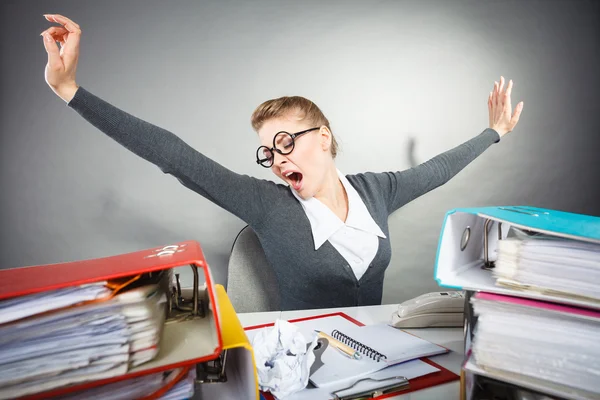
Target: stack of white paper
339, 372
545, 343
184, 389
395, 345
409, 370
567, 267
25, 306
42, 349
142, 387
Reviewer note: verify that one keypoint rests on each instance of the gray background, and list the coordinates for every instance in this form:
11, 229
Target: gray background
386, 74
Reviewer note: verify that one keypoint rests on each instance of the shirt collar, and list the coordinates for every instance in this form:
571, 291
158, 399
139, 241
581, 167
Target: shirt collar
324, 223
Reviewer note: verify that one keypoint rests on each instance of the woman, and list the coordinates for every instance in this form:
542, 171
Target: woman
325, 234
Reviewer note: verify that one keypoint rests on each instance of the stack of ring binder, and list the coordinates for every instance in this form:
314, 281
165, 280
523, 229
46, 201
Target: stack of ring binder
200, 345
467, 254
532, 311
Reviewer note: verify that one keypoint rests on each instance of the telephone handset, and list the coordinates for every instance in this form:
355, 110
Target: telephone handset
437, 309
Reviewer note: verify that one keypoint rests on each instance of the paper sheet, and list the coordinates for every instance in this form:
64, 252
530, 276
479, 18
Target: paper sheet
410, 370
337, 366
79, 343
283, 358
25, 306
538, 342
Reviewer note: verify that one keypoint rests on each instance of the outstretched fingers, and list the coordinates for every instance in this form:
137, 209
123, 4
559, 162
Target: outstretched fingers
507, 102
66, 22
72, 36
516, 115
58, 33
490, 109
54, 60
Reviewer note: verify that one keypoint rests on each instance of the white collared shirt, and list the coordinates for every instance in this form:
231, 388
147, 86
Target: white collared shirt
356, 239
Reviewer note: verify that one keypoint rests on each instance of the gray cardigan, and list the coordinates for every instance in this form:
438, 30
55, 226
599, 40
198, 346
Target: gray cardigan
308, 278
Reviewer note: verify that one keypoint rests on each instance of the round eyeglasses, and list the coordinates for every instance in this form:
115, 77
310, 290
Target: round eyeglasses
283, 143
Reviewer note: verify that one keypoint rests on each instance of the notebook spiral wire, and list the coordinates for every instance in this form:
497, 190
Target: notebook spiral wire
358, 346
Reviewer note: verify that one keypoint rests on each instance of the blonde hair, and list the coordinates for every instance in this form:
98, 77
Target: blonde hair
304, 108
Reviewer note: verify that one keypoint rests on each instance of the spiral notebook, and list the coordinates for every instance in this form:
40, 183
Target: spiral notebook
381, 346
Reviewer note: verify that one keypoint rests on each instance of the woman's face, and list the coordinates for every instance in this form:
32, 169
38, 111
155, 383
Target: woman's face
304, 168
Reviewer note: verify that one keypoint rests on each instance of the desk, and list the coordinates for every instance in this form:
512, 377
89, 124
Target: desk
452, 338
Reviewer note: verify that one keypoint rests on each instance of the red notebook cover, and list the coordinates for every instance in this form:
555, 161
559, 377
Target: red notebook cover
437, 378
28, 280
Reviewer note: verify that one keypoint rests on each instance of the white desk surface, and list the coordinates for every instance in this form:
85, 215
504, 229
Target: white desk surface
451, 338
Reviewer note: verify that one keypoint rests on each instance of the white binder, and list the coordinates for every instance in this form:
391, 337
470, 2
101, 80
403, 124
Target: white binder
464, 249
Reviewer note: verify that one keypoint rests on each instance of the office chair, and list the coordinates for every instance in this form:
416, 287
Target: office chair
251, 282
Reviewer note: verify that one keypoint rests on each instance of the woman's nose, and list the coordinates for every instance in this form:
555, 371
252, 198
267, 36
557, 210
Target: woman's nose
278, 159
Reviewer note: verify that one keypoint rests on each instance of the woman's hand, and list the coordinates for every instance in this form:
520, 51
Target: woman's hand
500, 108
62, 63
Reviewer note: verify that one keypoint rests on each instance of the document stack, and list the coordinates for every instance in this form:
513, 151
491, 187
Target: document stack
120, 327
533, 320
77, 334
140, 387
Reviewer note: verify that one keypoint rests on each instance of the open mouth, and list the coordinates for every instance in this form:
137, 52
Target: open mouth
295, 179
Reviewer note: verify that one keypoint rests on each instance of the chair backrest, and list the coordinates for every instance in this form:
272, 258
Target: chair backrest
251, 282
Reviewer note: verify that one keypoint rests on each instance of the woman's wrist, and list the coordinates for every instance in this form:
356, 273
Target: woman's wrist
499, 131
67, 92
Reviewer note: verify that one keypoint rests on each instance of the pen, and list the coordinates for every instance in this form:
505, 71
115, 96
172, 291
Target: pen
347, 350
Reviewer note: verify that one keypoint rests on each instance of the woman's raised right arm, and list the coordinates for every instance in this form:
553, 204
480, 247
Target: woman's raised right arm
242, 195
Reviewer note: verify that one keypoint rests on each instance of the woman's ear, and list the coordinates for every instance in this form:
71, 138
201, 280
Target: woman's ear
325, 137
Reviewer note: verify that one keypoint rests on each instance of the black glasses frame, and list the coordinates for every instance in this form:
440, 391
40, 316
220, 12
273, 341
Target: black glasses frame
268, 162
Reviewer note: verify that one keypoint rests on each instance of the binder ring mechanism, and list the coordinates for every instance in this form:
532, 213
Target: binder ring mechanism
487, 264
182, 308
212, 371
